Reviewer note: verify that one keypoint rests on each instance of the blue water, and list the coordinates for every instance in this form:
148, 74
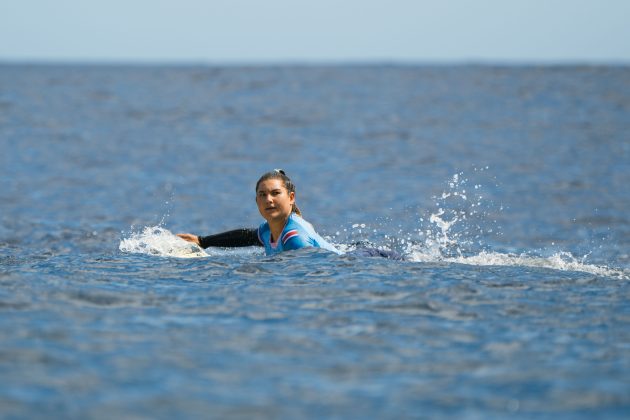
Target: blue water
505, 188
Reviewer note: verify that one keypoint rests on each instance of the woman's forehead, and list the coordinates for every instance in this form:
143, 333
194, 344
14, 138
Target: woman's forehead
270, 184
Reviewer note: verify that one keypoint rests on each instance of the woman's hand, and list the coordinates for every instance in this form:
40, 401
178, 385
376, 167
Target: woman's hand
190, 238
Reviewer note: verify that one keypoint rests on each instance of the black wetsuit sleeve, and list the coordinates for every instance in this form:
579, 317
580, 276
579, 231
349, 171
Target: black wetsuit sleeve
231, 239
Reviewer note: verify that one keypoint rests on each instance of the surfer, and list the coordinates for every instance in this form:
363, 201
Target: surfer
284, 228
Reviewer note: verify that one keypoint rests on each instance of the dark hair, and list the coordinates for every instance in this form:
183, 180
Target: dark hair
286, 181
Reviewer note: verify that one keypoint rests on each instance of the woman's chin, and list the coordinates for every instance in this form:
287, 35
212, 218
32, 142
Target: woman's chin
275, 216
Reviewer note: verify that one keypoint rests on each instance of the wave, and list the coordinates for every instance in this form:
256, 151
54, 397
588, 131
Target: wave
159, 241
562, 261
452, 233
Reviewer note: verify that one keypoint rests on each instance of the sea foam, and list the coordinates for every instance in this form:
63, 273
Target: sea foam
156, 240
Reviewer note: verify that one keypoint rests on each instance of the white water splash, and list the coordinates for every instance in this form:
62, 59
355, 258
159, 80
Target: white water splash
454, 236
454, 229
155, 240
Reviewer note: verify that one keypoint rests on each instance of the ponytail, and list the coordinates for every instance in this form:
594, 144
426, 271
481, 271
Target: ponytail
296, 210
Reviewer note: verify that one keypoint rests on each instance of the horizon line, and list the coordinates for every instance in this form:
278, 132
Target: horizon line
472, 62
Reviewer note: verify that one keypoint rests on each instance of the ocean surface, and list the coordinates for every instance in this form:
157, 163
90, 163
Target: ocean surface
505, 188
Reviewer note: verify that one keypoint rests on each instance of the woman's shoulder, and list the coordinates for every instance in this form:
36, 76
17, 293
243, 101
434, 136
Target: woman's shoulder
297, 231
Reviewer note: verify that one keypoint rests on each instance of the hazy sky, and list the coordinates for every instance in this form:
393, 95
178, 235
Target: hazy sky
254, 31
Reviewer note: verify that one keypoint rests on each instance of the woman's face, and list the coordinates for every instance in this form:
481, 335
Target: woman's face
274, 201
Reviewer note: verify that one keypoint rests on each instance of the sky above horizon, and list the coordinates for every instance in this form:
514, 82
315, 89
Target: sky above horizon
254, 31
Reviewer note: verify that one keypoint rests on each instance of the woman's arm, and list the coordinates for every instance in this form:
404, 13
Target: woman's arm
230, 239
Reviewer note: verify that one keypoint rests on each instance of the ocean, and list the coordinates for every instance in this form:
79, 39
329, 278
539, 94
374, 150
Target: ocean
505, 189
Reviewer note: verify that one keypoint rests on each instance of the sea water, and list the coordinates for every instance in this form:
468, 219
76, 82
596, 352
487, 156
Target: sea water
505, 189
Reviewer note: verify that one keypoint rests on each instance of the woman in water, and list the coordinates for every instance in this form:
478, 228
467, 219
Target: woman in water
284, 228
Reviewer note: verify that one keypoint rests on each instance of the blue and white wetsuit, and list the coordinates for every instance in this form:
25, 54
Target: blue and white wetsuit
297, 233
